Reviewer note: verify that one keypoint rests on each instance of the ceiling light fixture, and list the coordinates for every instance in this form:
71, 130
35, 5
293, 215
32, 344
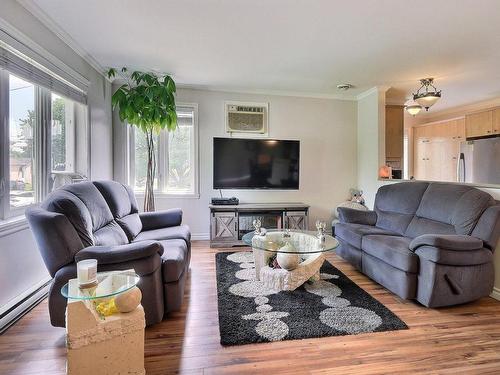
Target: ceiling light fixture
413, 109
427, 95
345, 86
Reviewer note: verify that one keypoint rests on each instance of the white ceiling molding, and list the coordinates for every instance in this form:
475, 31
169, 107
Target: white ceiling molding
378, 89
36, 11
299, 94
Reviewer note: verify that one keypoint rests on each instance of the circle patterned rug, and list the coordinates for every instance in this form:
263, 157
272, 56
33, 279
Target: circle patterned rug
249, 312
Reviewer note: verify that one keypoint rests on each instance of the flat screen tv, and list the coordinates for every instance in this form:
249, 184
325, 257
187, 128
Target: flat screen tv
256, 164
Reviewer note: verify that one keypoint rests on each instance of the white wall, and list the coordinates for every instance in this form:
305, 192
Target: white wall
370, 142
21, 266
369, 126
326, 129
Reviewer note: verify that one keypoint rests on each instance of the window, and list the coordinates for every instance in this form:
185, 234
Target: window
62, 134
39, 132
176, 156
21, 152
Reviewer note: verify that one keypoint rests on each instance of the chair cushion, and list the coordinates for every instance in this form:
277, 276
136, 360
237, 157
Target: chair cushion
393, 250
174, 259
353, 233
177, 232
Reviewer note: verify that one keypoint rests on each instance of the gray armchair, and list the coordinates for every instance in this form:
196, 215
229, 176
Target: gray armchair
100, 220
432, 242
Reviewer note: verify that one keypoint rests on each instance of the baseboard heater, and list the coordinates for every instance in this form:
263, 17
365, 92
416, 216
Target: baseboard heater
23, 306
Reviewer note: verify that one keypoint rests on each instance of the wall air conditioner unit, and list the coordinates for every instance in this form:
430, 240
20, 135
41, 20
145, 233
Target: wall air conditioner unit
247, 118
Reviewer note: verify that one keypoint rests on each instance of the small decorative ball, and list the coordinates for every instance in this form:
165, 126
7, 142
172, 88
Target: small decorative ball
128, 301
288, 261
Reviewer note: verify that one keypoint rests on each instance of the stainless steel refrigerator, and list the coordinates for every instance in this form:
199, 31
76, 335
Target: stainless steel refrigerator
479, 161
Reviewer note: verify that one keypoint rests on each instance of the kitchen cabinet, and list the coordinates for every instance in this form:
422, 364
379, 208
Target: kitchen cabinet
496, 121
436, 148
394, 128
479, 124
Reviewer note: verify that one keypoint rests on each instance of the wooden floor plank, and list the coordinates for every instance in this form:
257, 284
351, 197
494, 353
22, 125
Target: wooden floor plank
456, 340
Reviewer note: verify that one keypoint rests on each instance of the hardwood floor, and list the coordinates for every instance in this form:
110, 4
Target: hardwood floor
458, 340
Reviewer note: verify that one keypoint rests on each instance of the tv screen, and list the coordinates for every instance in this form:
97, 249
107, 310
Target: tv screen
256, 164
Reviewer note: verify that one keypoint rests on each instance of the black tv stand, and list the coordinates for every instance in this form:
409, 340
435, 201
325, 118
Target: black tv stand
228, 224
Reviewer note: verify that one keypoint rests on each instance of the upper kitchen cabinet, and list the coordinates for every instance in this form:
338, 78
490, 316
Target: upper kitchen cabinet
480, 124
394, 139
496, 121
394, 128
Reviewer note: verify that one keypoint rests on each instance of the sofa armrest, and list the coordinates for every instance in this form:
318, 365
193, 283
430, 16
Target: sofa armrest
457, 242
120, 253
352, 216
161, 219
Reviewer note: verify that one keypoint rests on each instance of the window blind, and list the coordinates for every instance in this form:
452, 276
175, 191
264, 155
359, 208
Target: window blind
28, 69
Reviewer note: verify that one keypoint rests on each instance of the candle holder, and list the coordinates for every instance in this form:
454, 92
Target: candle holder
321, 227
257, 225
86, 271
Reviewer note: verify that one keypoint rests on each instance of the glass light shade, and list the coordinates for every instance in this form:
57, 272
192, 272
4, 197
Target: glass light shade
413, 109
428, 100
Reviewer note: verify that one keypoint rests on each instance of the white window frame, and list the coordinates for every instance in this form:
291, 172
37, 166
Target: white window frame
6, 211
42, 144
162, 159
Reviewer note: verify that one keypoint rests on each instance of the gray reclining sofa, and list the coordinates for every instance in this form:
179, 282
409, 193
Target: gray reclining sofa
100, 220
432, 242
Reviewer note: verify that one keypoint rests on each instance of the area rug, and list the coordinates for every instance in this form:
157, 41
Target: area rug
249, 312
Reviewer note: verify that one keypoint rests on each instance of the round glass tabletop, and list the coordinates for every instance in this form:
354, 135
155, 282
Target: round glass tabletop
299, 242
108, 284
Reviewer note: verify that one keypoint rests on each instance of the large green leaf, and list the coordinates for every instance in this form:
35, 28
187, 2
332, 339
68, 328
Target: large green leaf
147, 101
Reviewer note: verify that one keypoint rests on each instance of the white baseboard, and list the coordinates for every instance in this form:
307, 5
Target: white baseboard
495, 294
200, 236
16, 308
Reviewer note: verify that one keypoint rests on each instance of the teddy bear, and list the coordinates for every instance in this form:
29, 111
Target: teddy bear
357, 196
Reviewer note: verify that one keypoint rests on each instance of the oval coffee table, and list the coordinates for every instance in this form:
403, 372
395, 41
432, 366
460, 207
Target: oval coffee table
287, 246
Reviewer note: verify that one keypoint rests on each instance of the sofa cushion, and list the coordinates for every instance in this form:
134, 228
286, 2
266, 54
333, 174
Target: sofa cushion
392, 250
456, 206
174, 259
131, 225
120, 198
93, 200
110, 235
353, 233
123, 205
177, 232
396, 204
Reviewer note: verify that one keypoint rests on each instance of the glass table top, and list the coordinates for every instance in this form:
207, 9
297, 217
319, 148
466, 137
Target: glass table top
299, 242
108, 284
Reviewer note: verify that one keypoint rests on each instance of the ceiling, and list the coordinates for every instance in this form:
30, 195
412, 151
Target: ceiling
301, 47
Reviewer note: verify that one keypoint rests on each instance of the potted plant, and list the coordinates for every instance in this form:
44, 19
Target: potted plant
147, 101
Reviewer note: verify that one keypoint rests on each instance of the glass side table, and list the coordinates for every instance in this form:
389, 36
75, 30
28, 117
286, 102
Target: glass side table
109, 284
100, 338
